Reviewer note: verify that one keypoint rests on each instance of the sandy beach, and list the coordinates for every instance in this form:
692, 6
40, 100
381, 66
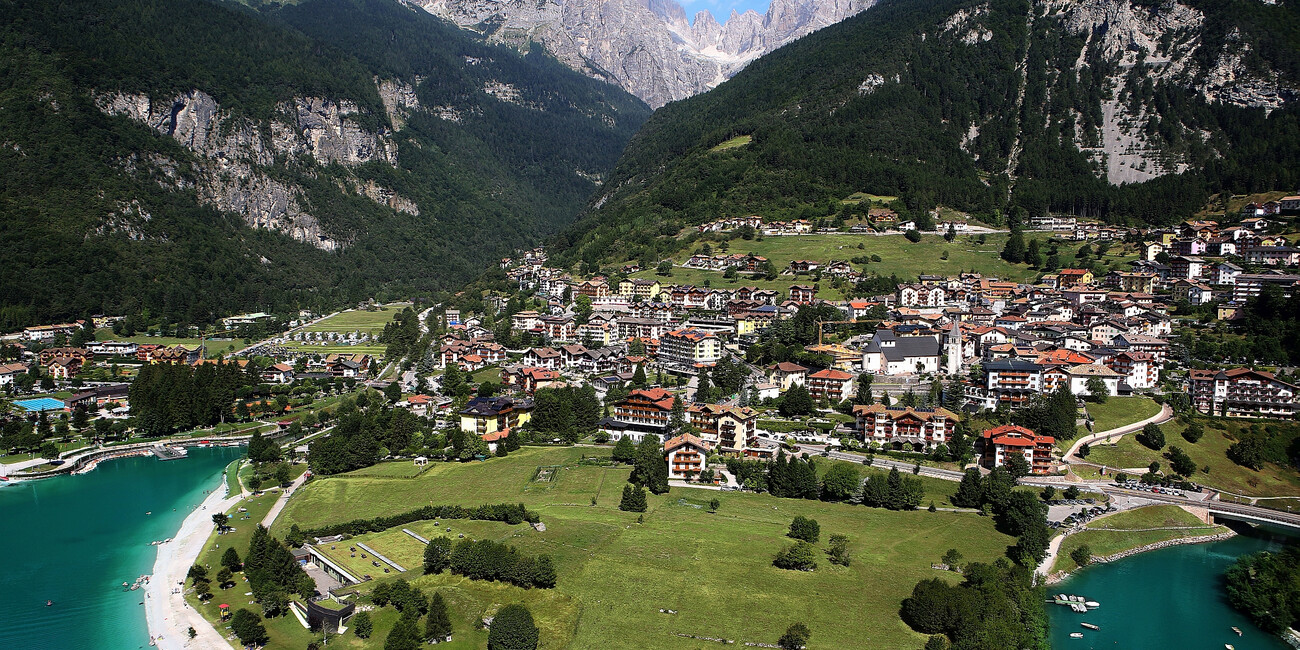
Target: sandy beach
168, 615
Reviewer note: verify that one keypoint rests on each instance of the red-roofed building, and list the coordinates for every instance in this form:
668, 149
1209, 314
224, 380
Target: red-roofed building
831, 384
802, 294
685, 455
1000, 442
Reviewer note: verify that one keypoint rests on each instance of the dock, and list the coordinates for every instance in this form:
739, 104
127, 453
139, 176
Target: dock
163, 452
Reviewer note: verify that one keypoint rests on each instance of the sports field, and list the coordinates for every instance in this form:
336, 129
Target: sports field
615, 574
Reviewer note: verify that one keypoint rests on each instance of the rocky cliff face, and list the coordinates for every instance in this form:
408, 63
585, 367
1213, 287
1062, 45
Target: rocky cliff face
648, 47
234, 153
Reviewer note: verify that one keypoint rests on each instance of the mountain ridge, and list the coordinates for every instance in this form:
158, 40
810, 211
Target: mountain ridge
1004, 109
199, 158
647, 47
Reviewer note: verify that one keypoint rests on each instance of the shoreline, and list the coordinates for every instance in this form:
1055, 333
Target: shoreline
167, 614
1062, 576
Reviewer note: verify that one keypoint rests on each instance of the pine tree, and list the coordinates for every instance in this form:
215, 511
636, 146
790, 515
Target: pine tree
970, 492
1014, 251
438, 625
677, 418
624, 450
634, 499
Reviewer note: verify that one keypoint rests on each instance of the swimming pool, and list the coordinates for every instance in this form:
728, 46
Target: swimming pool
41, 404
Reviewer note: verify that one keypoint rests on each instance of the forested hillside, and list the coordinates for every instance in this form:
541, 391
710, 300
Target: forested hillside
1009, 108
192, 158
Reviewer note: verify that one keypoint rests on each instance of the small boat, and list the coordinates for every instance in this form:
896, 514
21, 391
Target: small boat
1237, 630
1076, 635
1092, 604
49, 603
1229, 646
1090, 626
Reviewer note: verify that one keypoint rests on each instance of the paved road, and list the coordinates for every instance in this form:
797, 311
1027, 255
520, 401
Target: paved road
1166, 414
284, 498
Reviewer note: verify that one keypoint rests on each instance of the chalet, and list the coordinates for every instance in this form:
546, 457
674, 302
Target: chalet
64, 367
49, 354
786, 374
1074, 278
831, 385
10, 371
280, 373
1003, 441
892, 427
690, 347
1272, 255
1081, 374
732, 429
643, 412
549, 358
1243, 392
686, 455
802, 294
529, 379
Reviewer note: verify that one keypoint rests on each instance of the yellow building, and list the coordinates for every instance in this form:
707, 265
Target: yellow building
489, 415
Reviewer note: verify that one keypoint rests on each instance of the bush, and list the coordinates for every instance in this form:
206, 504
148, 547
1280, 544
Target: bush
1071, 492
805, 529
799, 556
1082, 556
839, 550
1194, 432
912, 236
510, 513
796, 636
513, 629
1049, 493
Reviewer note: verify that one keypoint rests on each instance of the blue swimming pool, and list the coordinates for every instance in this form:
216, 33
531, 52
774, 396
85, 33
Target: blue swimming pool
40, 404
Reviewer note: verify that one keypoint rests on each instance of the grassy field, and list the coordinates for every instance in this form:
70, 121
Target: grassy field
858, 197
358, 321
615, 574
898, 256
1210, 451
106, 334
1120, 411
734, 143
395, 469
1133, 528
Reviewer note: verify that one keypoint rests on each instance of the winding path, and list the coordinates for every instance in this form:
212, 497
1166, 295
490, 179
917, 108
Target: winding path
1166, 414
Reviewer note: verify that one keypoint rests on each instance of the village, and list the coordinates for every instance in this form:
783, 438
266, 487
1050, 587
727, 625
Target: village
895, 372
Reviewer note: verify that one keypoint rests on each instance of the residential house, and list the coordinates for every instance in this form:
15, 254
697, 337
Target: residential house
10, 371
1249, 285
1003, 441
830, 384
904, 427
488, 415
1243, 392
1081, 374
1140, 369
1074, 278
280, 373
643, 412
732, 429
802, 294
686, 455
689, 347
787, 374
1272, 255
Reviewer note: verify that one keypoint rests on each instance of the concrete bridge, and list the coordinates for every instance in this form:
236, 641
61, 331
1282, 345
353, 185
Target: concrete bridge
1222, 509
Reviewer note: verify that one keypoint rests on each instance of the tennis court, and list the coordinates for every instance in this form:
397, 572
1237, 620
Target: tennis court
41, 404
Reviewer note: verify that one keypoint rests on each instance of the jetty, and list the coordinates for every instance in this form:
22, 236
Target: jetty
165, 452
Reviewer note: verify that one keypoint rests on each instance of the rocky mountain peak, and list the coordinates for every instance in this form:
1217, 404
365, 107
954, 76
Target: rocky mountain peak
645, 46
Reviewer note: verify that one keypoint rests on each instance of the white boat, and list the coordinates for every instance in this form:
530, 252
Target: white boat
1092, 604
1076, 635
1090, 626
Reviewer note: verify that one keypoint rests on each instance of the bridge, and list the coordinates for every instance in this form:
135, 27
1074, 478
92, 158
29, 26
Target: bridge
1222, 509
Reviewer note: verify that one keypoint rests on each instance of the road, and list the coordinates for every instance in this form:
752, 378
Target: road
1166, 414
284, 498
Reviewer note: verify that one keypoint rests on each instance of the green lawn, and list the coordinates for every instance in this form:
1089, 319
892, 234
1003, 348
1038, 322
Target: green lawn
1210, 451
394, 469
357, 320
1120, 411
616, 574
1130, 529
898, 256
106, 334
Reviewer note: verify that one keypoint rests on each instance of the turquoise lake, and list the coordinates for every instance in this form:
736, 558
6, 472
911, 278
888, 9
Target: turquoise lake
75, 539
1170, 598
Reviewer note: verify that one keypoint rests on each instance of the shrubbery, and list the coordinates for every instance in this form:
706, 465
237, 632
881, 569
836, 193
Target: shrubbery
510, 513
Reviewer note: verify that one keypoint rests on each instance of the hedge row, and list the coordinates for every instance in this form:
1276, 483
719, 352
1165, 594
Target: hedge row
510, 513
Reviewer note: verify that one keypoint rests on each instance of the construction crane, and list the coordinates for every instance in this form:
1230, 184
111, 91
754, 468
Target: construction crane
820, 323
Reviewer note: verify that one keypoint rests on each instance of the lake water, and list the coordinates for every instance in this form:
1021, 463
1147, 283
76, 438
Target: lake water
75, 539
1171, 598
